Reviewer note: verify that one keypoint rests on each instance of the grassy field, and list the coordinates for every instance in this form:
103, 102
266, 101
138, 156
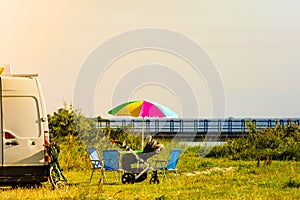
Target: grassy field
200, 178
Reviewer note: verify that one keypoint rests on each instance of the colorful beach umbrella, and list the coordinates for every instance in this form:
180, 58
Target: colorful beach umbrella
142, 108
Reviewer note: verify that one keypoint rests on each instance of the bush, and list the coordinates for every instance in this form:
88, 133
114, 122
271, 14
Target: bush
74, 133
62, 122
121, 135
281, 143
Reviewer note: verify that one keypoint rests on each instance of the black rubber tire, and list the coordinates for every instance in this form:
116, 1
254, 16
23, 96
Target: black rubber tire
128, 178
154, 180
142, 177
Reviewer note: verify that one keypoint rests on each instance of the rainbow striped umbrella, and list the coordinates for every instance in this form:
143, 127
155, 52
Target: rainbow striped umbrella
142, 108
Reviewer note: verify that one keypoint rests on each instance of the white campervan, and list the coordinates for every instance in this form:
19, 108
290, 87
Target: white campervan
24, 130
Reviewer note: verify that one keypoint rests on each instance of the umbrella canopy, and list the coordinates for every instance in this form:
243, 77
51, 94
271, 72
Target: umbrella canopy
142, 108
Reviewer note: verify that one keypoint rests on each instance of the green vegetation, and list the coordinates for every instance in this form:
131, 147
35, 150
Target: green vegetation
230, 171
200, 178
62, 122
279, 143
121, 135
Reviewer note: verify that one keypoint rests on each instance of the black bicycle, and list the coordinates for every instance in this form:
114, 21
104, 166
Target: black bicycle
57, 179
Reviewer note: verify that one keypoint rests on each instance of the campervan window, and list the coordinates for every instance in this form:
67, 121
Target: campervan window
21, 116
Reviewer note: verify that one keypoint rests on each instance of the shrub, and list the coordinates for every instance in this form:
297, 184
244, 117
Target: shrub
281, 143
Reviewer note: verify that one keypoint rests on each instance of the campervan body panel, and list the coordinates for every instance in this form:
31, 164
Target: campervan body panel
23, 126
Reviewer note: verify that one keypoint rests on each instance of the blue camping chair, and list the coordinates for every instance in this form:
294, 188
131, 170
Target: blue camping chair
170, 164
96, 162
111, 161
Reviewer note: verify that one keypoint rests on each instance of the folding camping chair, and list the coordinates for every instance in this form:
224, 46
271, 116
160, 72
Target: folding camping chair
170, 164
96, 162
111, 162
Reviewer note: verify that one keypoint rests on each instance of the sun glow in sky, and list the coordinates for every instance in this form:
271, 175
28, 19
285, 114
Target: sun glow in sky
255, 46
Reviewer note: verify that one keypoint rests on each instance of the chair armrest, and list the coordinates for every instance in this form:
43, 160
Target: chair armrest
162, 163
96, 162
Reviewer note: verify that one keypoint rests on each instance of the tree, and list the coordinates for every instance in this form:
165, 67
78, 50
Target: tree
62, 122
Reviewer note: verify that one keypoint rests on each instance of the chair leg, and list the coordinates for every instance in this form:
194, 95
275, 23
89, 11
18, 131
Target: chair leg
165, 174
105, 180
101, 177
91, 176
116, 176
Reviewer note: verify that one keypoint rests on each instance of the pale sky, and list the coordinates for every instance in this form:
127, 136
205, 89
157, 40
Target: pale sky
254, 45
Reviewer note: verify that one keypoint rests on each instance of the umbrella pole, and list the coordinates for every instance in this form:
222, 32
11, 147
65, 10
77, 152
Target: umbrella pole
143, 133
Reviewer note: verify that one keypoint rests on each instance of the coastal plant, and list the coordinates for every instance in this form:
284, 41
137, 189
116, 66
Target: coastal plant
279, 143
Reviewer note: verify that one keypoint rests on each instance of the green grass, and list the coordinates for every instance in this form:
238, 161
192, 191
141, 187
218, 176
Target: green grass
200, 178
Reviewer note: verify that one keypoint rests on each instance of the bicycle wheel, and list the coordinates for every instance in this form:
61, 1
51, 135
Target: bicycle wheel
61, 185
54, 176
56, 181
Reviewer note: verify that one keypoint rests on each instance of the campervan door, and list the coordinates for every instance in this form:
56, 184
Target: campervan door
23, 125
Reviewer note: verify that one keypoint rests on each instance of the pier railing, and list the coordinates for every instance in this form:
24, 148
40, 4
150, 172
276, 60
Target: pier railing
177, 125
